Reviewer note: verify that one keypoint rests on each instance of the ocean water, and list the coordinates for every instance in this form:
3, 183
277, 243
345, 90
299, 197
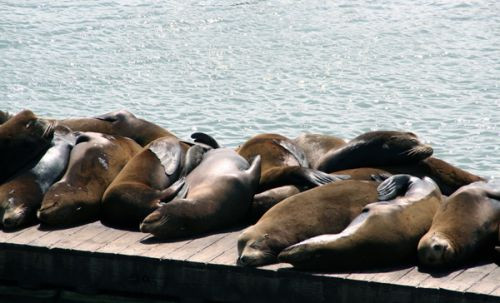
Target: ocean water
236, 68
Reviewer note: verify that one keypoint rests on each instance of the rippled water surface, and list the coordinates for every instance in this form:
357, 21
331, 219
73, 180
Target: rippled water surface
238, 68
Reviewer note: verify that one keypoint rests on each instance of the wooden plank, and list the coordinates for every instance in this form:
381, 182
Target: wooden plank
54, 236
163, 249
121, 242
193, 247
216, 248
412, 278
390, 276
362, 276
100, 240
441, 280
228, 257
487, 284
88, 232
6, 236
469, 277
29, 234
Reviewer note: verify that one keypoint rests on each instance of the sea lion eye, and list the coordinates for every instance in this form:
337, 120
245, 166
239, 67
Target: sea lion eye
29, 124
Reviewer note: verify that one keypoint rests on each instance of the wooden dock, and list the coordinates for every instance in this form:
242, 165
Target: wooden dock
92, 260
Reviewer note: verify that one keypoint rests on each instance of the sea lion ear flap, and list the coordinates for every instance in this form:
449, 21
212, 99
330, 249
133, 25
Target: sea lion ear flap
393, 186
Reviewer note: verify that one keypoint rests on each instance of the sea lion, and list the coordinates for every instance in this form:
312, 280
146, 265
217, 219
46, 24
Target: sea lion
119, 123
386, 233
4, 116
377, 148
316, 145
283, 163
325, 209
140, 186
21, 196
218, 194
449, 178
23, 140
94, 162
464, 225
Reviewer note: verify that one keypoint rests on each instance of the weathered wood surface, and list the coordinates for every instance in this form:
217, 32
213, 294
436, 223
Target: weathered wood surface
94, 258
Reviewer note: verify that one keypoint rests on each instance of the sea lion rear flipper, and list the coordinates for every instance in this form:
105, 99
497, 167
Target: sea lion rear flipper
168, 154
114, 116
177, 190
253, 172
393, 186
200, 137
194, 155
380, 177
296, 151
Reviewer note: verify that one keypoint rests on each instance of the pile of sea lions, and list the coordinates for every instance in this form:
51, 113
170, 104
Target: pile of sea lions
317, 201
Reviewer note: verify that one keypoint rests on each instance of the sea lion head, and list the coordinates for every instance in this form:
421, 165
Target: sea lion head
404, 145
16, 217
61, 207
165, 223
436, 250
253, 248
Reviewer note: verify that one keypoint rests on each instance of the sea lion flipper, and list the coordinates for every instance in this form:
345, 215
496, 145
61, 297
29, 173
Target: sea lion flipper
168, 154
380, 177
194, 155
392, 187
177, 190
200, 137
114, 116
316, 177
296, 151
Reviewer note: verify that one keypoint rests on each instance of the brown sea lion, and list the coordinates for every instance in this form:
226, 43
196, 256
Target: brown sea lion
120, 123
449, 178
325, 209
377, 148
384, 234
316, 145
94, 162
142, 183
21, 196
464, 225
218, 194
23, 140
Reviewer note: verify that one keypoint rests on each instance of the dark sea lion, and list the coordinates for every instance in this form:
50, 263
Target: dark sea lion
21, 196
120, 123
377, 148
23, 140
140, 186
464, 225
218, 194
94, 162
386, 233
4, 116
449, 178
316, 145
325, 209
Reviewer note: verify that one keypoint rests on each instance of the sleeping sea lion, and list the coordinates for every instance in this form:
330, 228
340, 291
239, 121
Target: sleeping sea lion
464, 225
384, 234
377, 148
325, 209
120, 123
21, 196
94, 162
218, 193
23, 140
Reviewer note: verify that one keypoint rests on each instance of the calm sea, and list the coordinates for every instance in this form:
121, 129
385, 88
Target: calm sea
237, 68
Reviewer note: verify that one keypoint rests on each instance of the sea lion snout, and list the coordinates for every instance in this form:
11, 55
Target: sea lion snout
434, 251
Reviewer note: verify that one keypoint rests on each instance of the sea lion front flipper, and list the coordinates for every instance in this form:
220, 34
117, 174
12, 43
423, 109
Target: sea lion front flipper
194, 155
296, 151
380, 177
169, 155
200, 137
301, 177
177, 190
393, 186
